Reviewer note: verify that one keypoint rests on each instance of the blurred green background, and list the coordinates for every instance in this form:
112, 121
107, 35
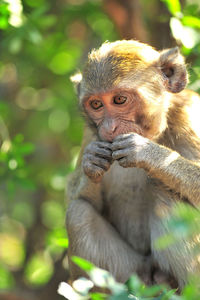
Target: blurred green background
43, 43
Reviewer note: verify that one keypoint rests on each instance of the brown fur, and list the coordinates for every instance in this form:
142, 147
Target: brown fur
121, 197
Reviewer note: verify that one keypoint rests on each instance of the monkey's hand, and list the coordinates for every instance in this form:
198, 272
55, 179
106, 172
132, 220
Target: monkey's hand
97, 159
128, 149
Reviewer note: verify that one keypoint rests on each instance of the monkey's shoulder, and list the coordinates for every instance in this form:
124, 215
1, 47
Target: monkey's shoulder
184, 110
183, 131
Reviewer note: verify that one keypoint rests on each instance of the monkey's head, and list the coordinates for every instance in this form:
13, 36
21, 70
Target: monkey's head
126, 87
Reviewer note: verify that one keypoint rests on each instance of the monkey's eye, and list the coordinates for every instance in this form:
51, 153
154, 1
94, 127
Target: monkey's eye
119, 99
96, 104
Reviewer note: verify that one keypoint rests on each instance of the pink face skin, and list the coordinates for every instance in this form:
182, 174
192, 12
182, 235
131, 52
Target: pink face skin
114, 113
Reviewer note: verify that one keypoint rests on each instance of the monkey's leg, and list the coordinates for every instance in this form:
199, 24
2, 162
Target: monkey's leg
93, 238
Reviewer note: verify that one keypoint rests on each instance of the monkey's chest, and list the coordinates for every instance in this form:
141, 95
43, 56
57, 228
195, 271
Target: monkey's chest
126, 205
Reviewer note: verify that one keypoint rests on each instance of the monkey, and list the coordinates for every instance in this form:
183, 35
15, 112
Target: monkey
140, 158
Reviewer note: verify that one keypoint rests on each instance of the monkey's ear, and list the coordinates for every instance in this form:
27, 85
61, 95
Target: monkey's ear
76, 79
173, 67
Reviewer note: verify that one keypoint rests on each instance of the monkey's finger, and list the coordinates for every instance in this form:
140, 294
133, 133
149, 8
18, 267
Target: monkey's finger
123, 162
102, 163
104, 153
92, 171
101, 144
118, 154
121, 144
92, 160
99, 152
124, 136
95, 149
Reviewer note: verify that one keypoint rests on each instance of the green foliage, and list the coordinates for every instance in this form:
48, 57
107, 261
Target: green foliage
132, 289
12, 160
57, 237
83, 264
185, 28
39, 269
4, 15
42, 45
173, 6
6, 278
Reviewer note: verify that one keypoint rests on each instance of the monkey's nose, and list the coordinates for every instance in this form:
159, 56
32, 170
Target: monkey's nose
112, 126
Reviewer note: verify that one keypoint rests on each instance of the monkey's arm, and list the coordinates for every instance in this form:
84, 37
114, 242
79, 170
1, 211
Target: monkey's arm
176, 172
94, 238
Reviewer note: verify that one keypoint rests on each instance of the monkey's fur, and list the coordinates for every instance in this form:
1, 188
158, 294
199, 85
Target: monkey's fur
129, 178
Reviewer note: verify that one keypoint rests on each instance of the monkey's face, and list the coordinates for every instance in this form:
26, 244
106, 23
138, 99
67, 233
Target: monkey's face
129, 86
122, 111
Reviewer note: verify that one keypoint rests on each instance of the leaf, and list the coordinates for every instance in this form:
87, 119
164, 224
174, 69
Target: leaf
173, 6
134, 284
123, 296
39, 269
168, 295
98, 296
191, 21
82, 263
57, 237
4, 15
164, 241
25, 183
6, 279
152, 291
26, 149
62, 242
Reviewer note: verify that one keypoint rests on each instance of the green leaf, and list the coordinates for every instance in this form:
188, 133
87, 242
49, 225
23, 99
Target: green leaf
164, 241
39, 269
82, 263
152, 291
62, 63
134, 284
4, 15
168, 295
26, 149
191, 21
23, 212
52, 214
191, 9
62, 243
6, 279
173, 6
57, 236
25, 183
98, 296
123, 296
3, 23
19, 138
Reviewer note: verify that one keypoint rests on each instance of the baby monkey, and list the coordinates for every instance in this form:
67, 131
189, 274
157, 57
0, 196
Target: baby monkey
140, 157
